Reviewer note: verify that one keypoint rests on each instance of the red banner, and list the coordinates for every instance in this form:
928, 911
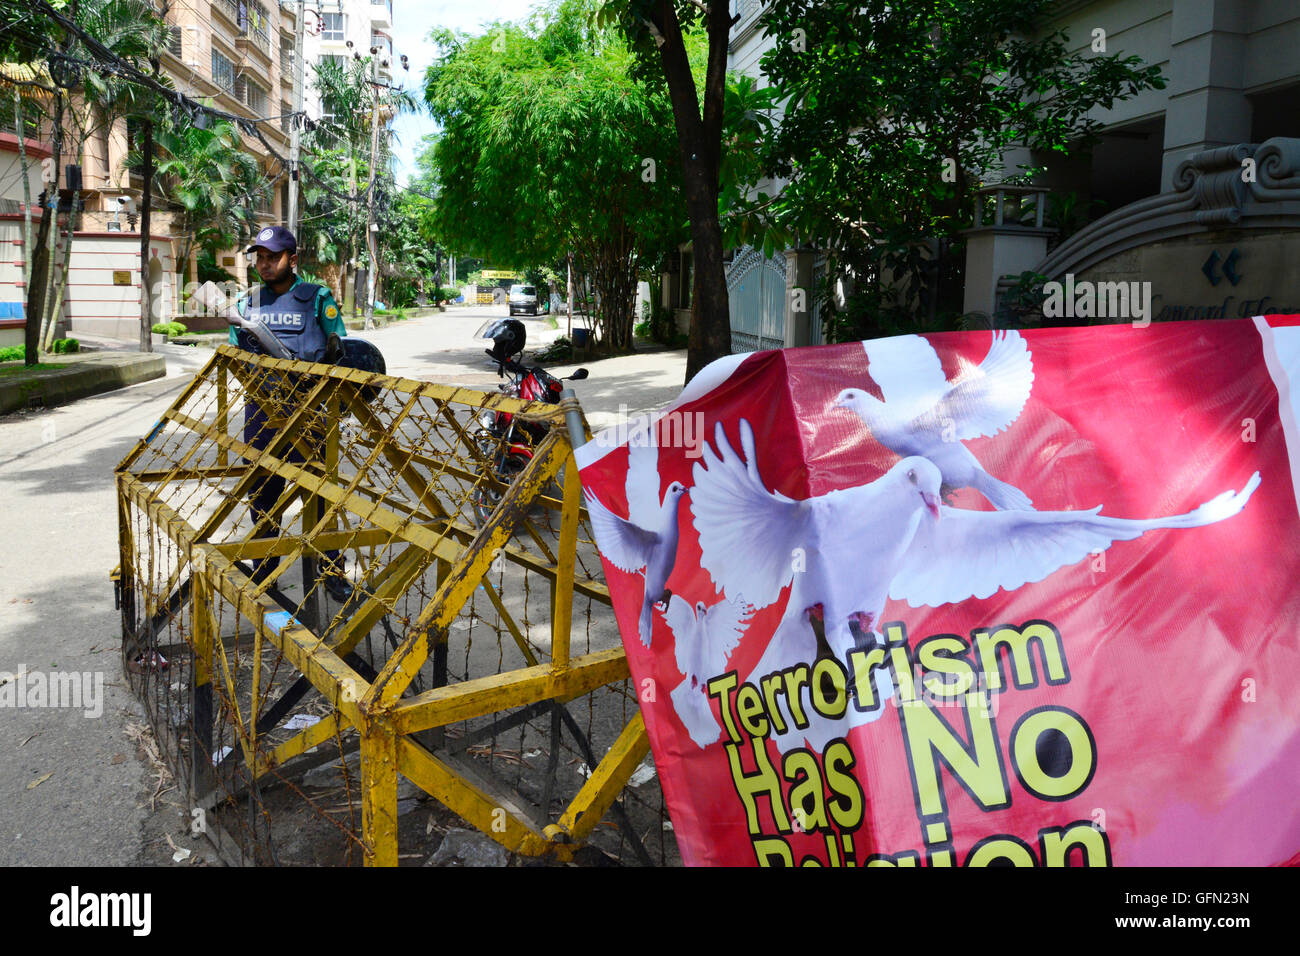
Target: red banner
970, 598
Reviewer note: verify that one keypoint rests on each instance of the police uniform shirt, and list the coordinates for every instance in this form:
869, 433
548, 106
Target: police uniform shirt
283, 315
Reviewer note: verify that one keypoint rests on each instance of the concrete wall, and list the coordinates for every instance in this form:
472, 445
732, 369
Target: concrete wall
96, 304
1263, 265
1216, 55
13, 291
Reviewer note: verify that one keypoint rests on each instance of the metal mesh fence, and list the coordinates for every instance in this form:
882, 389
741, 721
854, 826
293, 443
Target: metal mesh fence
354, 612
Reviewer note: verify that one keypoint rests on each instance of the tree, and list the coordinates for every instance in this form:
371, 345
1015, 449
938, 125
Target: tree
895, 112
328, 231
215, 183
550, 145
340, 147
123, 30
657, 30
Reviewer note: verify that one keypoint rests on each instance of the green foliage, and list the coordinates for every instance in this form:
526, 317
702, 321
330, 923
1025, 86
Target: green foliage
65, 346
13, 353
210, 179
895, 112
550, 145
333, 231
1022, 304
557, 351
169, 328
209, 271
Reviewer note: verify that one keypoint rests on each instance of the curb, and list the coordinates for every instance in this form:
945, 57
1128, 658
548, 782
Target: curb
92, 374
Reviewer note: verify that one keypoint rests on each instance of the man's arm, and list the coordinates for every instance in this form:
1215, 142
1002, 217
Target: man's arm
240, 306
328, 313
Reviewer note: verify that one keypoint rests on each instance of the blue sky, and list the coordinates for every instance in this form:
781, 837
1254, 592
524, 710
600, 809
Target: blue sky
412, 22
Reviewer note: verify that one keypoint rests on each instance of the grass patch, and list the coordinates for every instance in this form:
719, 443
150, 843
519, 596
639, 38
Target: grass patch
17, 369
16, 353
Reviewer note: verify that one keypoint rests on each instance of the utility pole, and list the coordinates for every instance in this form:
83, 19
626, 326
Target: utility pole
295, 128
372, 228
569, 291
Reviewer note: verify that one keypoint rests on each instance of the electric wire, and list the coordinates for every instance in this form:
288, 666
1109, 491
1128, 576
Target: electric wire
111, 62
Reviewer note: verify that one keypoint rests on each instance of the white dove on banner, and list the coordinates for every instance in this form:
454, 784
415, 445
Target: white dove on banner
704, 638
924, 414
647, 539
846, 551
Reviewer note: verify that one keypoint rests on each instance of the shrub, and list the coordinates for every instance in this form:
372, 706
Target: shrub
65, 346
169, 328
13, 353
561, 348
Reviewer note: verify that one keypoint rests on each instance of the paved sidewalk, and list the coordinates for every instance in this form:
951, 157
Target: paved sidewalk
76, 375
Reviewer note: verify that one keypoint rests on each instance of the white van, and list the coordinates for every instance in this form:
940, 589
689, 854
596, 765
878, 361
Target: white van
523, 298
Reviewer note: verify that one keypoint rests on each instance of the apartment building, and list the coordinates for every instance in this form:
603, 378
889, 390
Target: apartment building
338, 29
235, 55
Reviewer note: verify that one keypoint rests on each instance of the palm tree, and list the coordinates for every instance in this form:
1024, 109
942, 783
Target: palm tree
216, 184
347, 101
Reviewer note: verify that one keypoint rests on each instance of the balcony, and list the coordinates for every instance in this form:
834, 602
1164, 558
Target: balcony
381, 13
253, 39
253, 25
286, 60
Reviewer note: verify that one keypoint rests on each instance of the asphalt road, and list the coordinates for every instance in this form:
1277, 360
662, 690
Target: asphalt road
74, 787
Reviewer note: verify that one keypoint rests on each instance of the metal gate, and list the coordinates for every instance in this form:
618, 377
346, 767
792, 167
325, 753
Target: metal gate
756, 297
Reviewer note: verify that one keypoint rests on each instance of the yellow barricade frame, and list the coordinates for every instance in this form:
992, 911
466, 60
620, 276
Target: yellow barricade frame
385, 716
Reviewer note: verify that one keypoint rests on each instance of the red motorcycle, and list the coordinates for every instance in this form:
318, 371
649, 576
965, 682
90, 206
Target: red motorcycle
510, 443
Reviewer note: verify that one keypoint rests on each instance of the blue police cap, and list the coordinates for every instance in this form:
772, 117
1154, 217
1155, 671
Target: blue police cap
274, 239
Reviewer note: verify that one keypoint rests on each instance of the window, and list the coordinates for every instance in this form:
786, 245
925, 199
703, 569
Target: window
223, 71
333, 59
31, 120
331, 26
285, 116
254, 96
286, 57
174, 41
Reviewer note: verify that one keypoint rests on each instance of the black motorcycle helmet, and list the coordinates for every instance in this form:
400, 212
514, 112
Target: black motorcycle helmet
508, 338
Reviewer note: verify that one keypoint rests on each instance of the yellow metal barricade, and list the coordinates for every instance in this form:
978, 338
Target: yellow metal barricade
464, 623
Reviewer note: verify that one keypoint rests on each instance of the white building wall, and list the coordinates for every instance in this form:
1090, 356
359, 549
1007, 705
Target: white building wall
95, 304
13, 291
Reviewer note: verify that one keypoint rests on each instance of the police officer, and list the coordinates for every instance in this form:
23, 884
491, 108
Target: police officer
303, 317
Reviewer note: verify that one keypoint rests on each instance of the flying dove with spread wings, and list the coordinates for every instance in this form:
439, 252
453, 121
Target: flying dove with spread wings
646, 540
890, 538
704, 638
926, 415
